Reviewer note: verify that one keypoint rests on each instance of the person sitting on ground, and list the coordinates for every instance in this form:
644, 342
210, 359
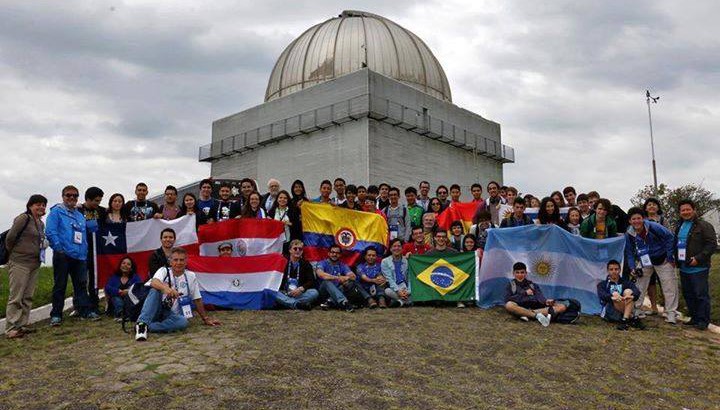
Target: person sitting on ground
617, 297
118, 284
161, 257
418, 245
168, 305
524, 299
395, 270
225, 250
649, 247
372, 279
337, 281
457, 231
599, 225
297, 290
518, 217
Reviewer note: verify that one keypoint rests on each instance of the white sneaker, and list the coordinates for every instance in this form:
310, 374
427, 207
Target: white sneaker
524, 318
671, 318
544, 320
141, 332
460, 305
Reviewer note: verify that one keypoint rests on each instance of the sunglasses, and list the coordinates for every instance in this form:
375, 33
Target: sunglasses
71, 195
297, 248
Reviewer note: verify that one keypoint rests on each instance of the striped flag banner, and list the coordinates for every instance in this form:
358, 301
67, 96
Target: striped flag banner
138, 240
248, 236
247, 283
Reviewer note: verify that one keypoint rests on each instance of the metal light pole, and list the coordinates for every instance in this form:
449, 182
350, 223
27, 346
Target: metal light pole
650, 99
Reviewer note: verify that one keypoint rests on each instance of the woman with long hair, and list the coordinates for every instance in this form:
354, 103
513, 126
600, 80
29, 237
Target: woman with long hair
599, 225
435, 206
115, 213
252, 208
118, 284
299, 195
190, 206
284, 211
558, 198
549, 213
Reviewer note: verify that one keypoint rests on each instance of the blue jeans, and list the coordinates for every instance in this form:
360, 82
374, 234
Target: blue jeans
329, 289
64, 266
117, 305
695, 288
159, 319
288, 302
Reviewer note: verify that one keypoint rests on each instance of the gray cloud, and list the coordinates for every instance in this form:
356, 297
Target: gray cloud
106, 93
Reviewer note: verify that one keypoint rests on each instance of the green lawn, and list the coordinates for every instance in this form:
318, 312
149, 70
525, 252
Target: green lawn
43, 292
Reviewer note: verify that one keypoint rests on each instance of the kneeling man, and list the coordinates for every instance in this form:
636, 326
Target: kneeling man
168, 305
617, 297
525, 299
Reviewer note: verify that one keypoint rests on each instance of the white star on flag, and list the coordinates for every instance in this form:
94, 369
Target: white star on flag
110, 239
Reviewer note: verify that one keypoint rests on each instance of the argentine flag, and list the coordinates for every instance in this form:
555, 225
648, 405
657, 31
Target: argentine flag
562, 264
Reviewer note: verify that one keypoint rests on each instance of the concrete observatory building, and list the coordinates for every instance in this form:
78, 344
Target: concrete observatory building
357, 96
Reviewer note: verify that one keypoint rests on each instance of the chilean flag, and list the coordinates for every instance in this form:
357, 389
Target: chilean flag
247, 283
138, 240
248, 236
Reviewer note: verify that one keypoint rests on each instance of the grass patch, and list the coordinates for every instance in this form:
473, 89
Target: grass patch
43, 292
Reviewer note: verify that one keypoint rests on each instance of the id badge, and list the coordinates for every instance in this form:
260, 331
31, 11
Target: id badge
682, 250
292, 284
77, 237
393, 231
645, 257
186, 307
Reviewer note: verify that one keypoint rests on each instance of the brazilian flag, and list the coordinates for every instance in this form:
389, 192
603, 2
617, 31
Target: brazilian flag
449, 276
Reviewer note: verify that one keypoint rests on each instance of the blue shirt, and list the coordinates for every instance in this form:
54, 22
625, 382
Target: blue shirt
371, 271
682, 237
336, 269
399, 275
205, 205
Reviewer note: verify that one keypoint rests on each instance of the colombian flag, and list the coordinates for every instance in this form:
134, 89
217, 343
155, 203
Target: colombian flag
449, 276
458, 211
324, 225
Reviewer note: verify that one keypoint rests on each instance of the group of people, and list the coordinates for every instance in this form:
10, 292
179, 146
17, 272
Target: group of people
652, 251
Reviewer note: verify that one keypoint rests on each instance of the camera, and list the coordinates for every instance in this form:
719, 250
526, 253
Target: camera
638, 272
167, 303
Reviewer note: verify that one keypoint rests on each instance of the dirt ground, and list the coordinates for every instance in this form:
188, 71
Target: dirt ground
426, 358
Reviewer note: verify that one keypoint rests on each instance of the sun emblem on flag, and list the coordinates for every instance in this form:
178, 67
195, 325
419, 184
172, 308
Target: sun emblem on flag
346, 238
507, 213
542, 266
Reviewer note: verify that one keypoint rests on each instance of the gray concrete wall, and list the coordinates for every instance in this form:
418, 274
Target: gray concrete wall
403, 158
325, 154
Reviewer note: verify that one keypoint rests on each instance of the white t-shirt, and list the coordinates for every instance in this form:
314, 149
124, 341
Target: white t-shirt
178, 283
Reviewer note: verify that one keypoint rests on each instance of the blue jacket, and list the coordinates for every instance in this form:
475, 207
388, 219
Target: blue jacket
605, 295
388, 270
114, 285
659, 241
61, 227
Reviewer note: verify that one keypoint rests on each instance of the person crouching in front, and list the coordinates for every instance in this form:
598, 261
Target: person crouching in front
524, 299
168, 305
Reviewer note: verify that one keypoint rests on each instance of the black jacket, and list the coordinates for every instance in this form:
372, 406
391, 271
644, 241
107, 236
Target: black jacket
306, 275
225, 210
157, 261
293, 214
701, 242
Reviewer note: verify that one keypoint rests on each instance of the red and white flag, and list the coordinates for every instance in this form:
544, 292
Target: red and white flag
248, 282
138, 240
248, 236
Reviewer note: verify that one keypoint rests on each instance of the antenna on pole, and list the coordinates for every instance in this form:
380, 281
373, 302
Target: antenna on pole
650, 99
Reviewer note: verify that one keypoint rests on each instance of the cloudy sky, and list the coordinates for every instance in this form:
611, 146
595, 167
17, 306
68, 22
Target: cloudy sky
110, 93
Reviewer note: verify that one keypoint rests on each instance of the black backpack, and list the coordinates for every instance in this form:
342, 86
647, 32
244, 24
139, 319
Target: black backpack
571, 314
134, 300
4, 254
